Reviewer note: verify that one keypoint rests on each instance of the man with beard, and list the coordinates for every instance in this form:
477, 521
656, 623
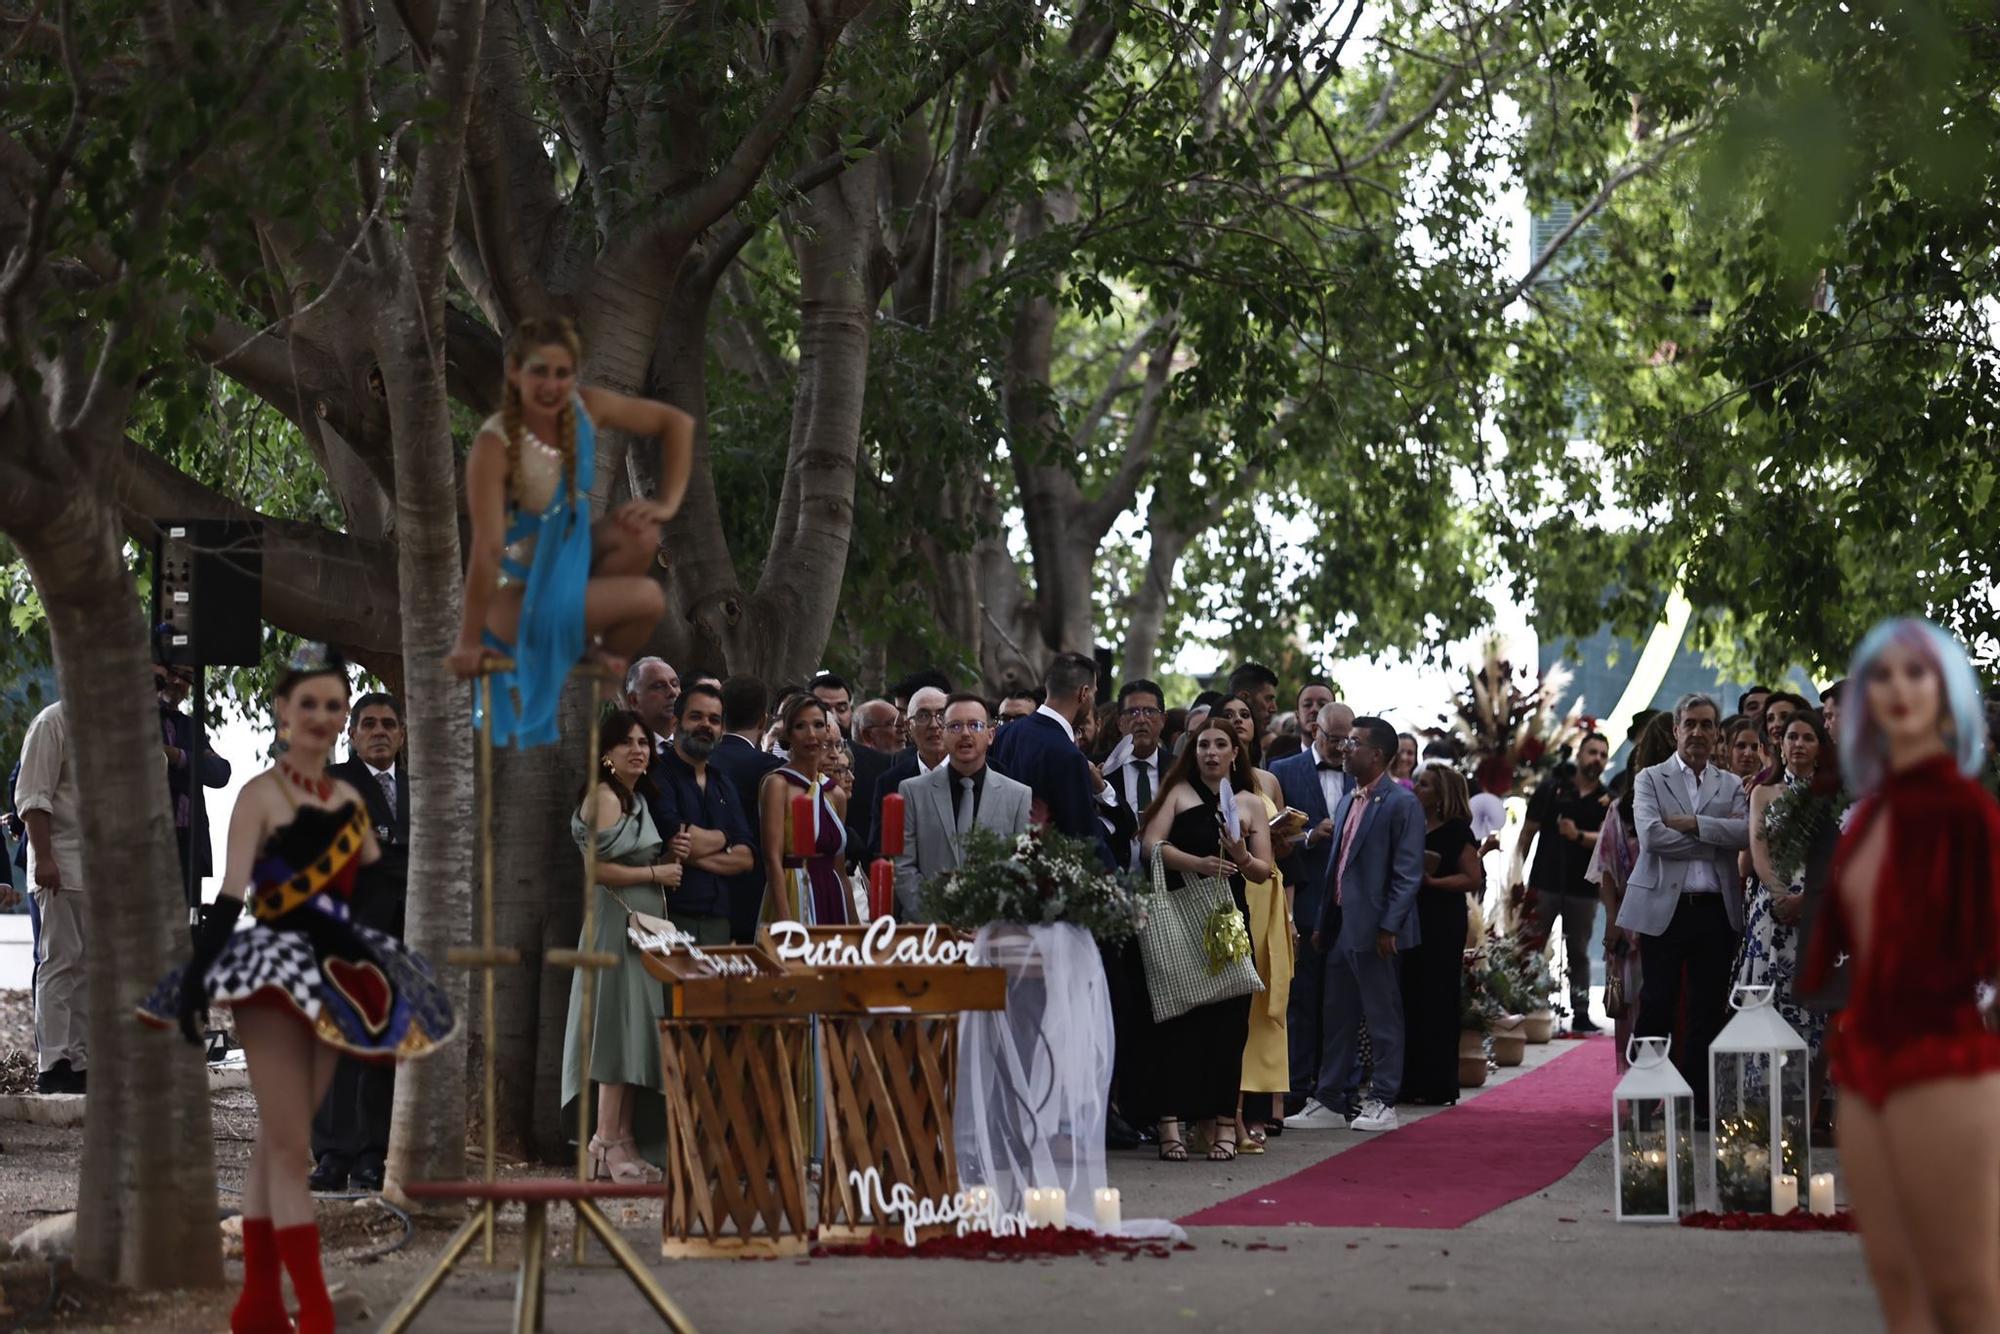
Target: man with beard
1314, 695
700, 815
1567, 812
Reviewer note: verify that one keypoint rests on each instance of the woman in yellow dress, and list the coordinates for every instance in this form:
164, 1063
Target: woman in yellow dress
1267, 1062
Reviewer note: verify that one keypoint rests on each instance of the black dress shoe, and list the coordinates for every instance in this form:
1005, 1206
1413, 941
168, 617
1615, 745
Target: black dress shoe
1118, 1132
59, 1078
330, 1174
365, 1176
1581, 1022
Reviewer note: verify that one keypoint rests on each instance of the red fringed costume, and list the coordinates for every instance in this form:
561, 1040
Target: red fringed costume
1913, 1013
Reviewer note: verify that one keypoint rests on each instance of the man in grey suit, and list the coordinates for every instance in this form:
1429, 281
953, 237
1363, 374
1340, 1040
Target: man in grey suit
1373, 869
1683, 899
942, 806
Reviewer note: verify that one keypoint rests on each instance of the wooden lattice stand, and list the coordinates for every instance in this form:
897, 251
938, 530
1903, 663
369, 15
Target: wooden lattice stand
736, 1144
888, 1066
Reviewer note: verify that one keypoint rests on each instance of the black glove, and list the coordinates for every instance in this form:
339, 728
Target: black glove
218, 920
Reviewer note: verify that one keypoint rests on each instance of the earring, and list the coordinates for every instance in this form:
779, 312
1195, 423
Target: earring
284, 741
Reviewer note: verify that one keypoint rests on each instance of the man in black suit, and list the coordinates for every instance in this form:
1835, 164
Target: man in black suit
925, 753
877, 739
1041, 751
173, 684
350, 1134
738, 756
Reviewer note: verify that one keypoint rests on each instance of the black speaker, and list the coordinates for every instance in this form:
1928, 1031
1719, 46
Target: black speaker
208, 591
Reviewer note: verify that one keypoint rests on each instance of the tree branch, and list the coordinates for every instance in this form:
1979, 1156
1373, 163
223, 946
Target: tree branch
1631, 171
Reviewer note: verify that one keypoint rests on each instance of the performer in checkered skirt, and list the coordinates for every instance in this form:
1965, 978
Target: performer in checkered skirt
305, 982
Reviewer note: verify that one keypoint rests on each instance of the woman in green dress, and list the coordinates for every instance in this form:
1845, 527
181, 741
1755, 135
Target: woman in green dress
634, 874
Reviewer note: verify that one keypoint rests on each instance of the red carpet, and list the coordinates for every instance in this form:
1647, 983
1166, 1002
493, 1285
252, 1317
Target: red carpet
1448, 1169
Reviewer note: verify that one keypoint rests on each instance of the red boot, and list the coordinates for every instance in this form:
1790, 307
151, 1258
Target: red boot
299, 1248
261, 1308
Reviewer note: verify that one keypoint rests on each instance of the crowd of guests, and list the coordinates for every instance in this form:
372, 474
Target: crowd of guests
1352, 860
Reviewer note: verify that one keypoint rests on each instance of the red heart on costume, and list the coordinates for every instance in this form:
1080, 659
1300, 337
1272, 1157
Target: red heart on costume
365, 988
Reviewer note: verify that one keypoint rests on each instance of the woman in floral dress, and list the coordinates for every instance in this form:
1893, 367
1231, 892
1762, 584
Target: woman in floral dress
1783, 816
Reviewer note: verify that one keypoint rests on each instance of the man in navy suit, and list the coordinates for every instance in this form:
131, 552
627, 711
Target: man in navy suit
1374, 865
1041, 751
1313, 781
739, 757
926, 751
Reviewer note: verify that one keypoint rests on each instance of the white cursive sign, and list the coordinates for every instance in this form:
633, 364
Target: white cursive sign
960, 1209
879, 945
666, 942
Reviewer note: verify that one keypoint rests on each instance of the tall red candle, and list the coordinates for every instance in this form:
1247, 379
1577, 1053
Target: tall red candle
804, 836
892, 825
882, 883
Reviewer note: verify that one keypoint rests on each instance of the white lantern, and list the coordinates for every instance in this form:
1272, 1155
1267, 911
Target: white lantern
1652, 1114
1758, 1071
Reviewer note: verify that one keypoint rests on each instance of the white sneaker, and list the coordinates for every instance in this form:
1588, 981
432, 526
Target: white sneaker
1375, 1115
1315, 1115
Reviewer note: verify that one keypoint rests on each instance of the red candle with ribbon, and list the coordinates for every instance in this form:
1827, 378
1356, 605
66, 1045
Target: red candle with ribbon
805, 836
882, 884
892, 825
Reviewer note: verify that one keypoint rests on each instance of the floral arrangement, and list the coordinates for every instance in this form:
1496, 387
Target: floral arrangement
1039, 877
1518, 976
1478, 1007
1795, 820
1509, 714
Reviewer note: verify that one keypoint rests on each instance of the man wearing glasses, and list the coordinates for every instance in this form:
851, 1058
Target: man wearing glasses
925, 753
945, 804
1133, 768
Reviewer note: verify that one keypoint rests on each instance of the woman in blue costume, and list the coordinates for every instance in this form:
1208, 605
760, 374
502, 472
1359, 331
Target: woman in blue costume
543, 585
305, 983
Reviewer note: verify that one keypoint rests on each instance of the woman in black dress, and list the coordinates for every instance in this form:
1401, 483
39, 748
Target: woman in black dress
1203, 829
1431, 971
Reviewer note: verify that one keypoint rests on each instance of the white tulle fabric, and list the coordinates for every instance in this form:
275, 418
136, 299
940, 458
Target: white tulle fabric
1034, 1079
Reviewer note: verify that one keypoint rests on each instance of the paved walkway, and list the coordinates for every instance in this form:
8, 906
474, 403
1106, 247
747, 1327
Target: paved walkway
1553, 1261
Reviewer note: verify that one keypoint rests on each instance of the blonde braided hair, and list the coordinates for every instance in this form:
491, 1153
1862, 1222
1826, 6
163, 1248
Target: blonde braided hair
533, 332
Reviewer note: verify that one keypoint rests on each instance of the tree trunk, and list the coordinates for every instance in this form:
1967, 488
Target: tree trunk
427, 1138
1155, 591
792, 612
146, 1205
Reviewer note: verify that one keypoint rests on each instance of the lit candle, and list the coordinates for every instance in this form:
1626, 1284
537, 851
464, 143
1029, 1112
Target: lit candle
1822, 1192
805, 833
1037, 1209
1056, 1201
1784, 1193
892, 825
1108, 1209
881, 887
1656, 1157
979, 1201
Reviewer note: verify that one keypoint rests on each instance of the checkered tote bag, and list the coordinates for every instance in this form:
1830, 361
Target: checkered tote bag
1174, 947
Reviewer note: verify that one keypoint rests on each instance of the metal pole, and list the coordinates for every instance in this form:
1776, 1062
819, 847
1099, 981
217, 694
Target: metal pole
588, 945
197, 823
491, 1103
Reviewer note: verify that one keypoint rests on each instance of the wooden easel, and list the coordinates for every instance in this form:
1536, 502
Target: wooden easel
534, 1195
